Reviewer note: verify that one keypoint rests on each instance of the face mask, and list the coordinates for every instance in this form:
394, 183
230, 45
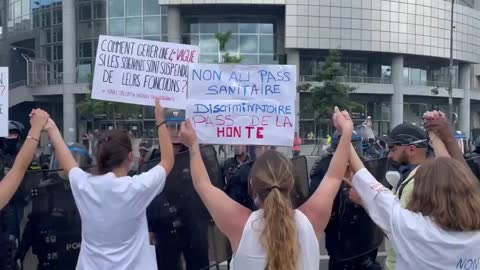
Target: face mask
256, 201
393, 177
10, 145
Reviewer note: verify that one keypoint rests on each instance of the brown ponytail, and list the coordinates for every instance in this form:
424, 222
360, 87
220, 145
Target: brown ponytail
113, 150
271, 182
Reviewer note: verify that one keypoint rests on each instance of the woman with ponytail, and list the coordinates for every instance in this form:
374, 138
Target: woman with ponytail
276, 237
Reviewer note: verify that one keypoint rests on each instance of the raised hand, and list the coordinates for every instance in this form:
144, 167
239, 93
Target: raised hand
38, 118
50, 124
437, 123
342, 121
159, 111
188, 136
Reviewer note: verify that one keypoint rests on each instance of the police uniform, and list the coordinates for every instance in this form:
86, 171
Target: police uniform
53, 229
351, 237
178, 217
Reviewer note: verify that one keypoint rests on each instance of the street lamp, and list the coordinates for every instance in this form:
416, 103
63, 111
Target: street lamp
450, 68
435, 90
16, 48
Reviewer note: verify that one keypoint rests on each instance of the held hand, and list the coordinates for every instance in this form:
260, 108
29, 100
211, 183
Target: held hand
159, 111
188, 136
354, 197
50, 124
38, 118
342, 121
437, 123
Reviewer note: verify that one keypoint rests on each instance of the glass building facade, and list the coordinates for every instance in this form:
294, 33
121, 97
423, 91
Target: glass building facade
137, 19
253, 40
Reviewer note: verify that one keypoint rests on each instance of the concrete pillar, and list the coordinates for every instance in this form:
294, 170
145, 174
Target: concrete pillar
69, 70
464, 80
293, 58
174, 22
396, 116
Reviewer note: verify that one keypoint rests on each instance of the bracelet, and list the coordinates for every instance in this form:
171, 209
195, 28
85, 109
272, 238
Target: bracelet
162, 123
33, 138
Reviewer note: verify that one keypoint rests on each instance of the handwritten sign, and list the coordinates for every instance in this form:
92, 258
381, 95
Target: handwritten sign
242, 104
137, 71
3, 101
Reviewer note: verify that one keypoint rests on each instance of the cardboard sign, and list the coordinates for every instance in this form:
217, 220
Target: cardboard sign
4, 101
137, 71
243, 104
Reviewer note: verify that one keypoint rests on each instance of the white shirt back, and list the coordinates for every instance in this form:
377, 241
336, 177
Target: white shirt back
252, 256
114, 222
418, 242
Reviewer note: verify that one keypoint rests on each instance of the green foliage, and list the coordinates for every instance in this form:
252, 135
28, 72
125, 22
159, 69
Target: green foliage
333, 92
88, 107
223, 39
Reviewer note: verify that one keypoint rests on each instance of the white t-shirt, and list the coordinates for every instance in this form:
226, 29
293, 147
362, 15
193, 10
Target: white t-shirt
114, 221
252, 256
418, 242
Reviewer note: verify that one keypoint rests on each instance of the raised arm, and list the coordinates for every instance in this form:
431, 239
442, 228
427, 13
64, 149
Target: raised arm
229, 216
164, 141
436, 122
438, 146
10, 183
62, 153
318, 208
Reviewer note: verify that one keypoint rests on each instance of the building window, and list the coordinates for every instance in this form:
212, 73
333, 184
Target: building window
115, 8
252, 40
85, 49
151, 7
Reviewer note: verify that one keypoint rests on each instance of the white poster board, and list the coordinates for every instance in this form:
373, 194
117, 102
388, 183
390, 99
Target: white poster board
4, 101
242, 104
137, 71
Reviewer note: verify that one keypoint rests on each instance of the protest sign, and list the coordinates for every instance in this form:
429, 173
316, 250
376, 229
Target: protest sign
137, 71
3, 101
242, 104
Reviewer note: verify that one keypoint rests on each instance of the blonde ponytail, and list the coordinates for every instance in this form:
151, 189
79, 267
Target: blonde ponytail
279, 236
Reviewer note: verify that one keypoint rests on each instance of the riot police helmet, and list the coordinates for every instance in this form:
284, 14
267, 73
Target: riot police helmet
79, 153
15, 127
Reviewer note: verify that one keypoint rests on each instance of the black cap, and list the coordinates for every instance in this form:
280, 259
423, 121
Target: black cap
406, 134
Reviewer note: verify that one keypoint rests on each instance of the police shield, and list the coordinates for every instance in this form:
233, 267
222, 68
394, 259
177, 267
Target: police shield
181, 221
474, 164
300, 191
378, 168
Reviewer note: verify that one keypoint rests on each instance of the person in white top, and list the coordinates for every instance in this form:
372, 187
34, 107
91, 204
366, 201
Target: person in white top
276, 237
440, 227
112, 205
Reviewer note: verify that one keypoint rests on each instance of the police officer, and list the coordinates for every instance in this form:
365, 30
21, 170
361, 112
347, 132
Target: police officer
178, 221
351, 237
53, 230
230, 165
473, 158
12, 213
237, 186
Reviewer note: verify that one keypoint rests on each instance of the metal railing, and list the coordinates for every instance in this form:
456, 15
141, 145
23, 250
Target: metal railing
17, 84
350, 79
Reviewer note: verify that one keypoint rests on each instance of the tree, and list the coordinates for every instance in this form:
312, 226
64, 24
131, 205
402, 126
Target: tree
333, 92
225, 57
89, 107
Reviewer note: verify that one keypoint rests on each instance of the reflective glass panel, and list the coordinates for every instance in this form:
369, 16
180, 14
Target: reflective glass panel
116, 27
133, 8
133, 26
151, 25
115, 8
248, 44
266, 44
150, 7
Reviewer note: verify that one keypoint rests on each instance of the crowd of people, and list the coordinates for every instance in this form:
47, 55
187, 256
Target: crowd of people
427, 208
